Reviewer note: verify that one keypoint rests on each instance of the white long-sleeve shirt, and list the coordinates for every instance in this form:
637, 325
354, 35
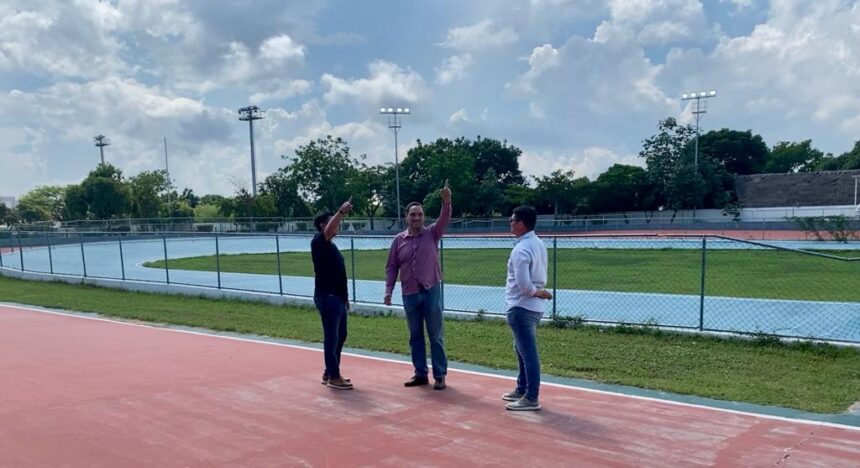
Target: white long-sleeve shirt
526, 273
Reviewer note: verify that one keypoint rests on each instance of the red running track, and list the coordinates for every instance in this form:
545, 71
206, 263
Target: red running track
76, 391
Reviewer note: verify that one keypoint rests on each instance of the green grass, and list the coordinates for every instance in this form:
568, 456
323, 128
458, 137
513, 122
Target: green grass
769, 274
807, 377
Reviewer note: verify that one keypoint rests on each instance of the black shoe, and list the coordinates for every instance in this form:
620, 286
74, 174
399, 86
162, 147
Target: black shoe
416, 381
439, 384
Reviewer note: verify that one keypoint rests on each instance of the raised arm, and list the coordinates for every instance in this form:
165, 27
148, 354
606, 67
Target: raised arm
444, 219
334, 223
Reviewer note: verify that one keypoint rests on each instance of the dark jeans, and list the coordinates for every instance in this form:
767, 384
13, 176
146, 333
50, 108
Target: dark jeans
332, 311
426, 307
524, 324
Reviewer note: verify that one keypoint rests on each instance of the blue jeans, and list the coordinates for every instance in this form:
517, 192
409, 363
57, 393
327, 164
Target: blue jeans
426, 307
332, 311
524, 324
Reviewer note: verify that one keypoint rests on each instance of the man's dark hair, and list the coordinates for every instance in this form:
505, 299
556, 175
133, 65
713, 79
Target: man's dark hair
527, 215
320, 220
415, 203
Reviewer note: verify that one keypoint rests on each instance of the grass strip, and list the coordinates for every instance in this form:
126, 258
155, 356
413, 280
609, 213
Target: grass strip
765, 274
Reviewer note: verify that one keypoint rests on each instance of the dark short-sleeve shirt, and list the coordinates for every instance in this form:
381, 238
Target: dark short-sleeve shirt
329, 269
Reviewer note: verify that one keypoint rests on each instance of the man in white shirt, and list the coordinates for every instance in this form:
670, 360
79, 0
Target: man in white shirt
526, 297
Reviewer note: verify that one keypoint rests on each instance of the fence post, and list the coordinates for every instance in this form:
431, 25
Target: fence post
352, 256
121, 258
83, 256
20, 250
1, 250
702, 288
554, 276
278, 255
50, 256
217, 260
166, 267
442, 268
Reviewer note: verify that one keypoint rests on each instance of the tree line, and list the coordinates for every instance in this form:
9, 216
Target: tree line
485, 174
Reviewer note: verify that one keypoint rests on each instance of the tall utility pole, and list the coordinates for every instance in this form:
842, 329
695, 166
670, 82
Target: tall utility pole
252, 113
101, 142
699, 107
169, 182
395, 123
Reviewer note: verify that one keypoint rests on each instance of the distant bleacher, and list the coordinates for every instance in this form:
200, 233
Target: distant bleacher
826, 188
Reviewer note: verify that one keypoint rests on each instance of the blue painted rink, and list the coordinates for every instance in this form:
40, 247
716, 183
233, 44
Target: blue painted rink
822, 320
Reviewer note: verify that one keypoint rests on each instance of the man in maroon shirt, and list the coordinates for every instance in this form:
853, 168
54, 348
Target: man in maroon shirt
414, 255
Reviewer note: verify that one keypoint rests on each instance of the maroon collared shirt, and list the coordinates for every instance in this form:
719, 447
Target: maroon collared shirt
416, 257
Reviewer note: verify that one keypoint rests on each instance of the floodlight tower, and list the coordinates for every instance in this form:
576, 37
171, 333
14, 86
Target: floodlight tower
395, 122
101, 142
699, 107
250, 114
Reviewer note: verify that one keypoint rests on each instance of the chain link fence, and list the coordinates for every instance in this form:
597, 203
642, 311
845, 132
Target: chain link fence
797, 289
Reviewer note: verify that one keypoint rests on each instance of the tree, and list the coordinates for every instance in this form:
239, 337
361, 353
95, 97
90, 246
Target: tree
44, 203
738, 152
793, 157
323, 170
283, 191
75, 206
676, 182
501, 157
103, 194
426, 167
665, 153
206, 211
845, 161
8, 216
145, 193
371, 191
478, 172
489, 195
106, 198
619, 189
517, 195
560, 192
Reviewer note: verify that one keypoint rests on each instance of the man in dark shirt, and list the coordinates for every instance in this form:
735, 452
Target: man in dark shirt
330, 293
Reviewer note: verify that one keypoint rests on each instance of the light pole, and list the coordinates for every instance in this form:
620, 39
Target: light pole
250, 114
169, 183
101, 142
699, 107
394, 123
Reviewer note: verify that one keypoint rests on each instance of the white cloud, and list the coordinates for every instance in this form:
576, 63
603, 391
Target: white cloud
387, 84
453, 68
279, 90
458, 117
479, 36
281, 49
59, 40
803, 62
741, 4
654, 22
589, 162
542, 58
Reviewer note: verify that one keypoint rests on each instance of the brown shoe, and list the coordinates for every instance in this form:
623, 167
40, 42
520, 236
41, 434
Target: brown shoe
339, 383
416, 381
439, 384
324, 379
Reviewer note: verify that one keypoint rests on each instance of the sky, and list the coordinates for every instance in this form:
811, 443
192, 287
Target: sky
576, 84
